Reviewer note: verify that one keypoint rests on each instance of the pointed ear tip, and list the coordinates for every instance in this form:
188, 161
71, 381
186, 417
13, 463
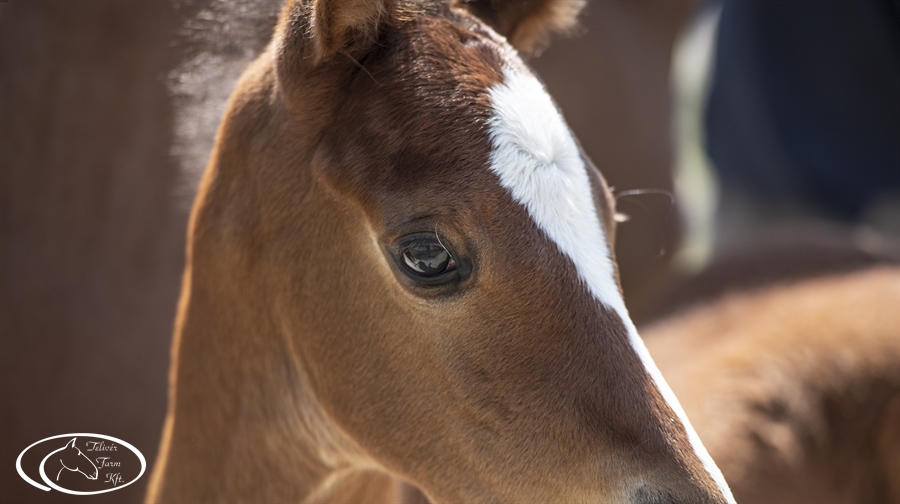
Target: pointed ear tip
530, 27
562, 16
534, 40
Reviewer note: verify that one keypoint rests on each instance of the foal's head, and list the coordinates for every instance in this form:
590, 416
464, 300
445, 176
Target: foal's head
398, 225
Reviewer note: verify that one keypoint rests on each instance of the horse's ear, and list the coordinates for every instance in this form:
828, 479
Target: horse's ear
331, 26
527, 24
71, 444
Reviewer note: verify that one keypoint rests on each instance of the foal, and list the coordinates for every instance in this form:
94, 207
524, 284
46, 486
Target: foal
400, 272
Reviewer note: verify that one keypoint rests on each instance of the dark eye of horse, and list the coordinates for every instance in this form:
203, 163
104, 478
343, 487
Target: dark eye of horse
428, 259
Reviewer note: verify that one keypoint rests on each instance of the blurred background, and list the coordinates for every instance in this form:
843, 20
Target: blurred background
715, 122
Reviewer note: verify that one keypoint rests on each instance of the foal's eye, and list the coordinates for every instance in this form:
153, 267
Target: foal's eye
428, 259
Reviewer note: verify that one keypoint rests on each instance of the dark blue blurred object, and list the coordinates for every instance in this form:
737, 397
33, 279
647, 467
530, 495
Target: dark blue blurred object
805, 101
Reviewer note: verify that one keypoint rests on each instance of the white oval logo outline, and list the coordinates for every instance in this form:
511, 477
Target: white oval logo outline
73, 492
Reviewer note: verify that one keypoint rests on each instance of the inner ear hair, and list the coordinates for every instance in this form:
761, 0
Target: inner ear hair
338, 25
527, 24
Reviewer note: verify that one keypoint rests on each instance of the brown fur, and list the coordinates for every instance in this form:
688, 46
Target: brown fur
303, 358
795, 389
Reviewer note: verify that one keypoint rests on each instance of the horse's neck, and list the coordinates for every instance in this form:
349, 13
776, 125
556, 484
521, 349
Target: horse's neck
63, 469
244, 424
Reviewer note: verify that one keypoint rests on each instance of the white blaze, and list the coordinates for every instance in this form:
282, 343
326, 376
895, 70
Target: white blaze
539, 163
